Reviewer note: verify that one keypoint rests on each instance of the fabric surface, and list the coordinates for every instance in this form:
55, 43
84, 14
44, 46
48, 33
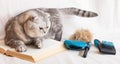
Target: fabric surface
104, 27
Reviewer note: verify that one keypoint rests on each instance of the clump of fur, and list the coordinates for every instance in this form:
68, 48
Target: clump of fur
82, 35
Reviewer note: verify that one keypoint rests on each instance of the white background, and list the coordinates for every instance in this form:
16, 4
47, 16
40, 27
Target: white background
104, 27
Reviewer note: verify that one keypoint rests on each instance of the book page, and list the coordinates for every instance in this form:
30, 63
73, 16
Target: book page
47, 44
50, 47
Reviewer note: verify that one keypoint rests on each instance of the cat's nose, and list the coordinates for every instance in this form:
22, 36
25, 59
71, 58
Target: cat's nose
44, 31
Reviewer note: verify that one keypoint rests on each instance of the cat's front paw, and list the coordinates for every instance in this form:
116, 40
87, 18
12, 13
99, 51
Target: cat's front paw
21, 48
38, 44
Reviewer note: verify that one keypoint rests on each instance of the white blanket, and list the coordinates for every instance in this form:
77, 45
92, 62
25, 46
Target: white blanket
104, 27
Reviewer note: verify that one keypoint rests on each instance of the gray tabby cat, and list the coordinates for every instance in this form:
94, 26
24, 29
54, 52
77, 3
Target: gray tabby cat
34, 25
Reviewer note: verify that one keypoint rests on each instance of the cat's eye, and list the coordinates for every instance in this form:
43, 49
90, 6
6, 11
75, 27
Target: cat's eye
41, 28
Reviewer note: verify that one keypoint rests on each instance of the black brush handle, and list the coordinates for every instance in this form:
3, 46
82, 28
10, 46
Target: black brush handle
85, 52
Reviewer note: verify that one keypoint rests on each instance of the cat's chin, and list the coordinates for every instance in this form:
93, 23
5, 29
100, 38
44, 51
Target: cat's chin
36, 35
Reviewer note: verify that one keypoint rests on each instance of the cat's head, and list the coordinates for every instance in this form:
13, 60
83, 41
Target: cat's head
36, 24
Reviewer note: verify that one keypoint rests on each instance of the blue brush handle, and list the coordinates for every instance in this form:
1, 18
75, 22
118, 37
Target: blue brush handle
107, 43
97, 42
74, 44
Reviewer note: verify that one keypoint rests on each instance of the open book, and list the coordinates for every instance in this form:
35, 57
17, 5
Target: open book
50, 47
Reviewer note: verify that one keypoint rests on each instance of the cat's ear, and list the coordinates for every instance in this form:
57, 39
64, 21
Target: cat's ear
29, 18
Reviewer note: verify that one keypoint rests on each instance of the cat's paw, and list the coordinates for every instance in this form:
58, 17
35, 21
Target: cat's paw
38, 44
21, 48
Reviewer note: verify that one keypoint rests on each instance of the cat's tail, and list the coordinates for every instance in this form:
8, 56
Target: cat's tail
78, 12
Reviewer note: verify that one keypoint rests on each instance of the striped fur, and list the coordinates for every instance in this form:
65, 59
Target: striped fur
78, 12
